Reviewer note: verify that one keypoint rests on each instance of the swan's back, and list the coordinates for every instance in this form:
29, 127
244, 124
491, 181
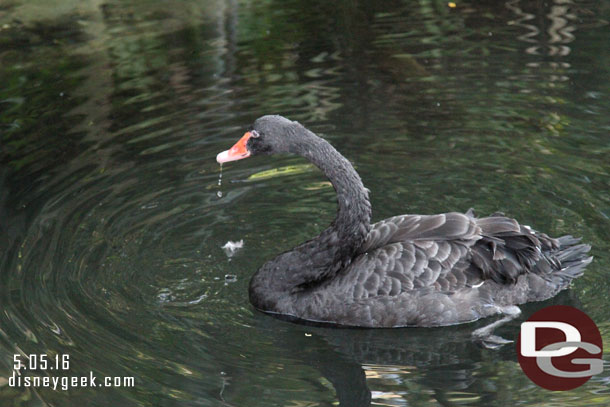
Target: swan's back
432, 270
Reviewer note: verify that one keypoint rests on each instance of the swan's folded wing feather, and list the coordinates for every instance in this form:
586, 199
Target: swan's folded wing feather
449, 252
414, 252
442, 227
508, 250
410, 266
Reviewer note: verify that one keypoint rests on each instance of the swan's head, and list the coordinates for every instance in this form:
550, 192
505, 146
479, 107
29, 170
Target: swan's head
269, 135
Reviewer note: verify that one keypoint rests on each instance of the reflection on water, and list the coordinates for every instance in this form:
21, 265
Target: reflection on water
112, 226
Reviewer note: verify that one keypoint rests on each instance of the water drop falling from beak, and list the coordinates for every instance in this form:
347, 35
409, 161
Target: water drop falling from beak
219, 193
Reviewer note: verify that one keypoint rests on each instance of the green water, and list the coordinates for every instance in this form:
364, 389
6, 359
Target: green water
111, 227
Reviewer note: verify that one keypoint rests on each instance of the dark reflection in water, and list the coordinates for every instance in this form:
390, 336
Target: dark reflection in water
394, 366
111, 229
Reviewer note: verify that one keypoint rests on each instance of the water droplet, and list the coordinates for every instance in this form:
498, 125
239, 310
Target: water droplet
219, 193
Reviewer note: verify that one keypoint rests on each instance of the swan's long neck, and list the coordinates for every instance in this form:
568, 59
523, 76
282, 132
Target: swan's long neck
315, 261
337, 244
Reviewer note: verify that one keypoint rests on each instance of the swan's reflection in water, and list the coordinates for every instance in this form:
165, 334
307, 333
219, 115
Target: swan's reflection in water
385, 364
406, 366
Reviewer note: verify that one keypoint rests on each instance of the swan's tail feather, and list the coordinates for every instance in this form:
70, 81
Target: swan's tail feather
572, 257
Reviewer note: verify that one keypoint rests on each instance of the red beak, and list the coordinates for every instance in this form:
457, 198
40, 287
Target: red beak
237, 152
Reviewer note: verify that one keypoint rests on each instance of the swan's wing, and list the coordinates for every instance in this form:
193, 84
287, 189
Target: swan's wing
443, 227
414, 252
448, 252
395, 268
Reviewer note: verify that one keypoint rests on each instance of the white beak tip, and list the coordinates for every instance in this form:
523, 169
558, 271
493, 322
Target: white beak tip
223, 157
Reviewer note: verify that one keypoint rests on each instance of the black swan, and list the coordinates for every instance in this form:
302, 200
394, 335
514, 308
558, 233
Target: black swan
408, 270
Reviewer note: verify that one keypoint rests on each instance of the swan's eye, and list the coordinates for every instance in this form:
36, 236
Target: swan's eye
255, 134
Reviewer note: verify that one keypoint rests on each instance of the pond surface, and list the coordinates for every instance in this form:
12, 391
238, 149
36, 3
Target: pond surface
112, 221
